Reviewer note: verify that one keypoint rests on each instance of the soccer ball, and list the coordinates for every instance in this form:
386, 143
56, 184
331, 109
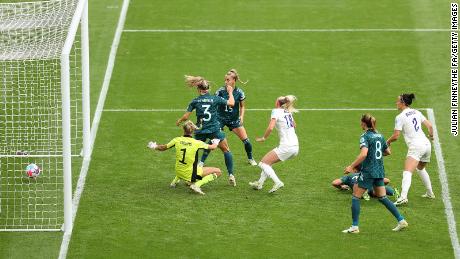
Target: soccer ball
33, 170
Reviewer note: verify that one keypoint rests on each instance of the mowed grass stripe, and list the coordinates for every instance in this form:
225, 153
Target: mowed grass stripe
291, 30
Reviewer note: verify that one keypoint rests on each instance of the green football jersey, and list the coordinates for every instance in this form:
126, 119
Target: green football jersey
350, 179
227, 113
372, 166
206, 112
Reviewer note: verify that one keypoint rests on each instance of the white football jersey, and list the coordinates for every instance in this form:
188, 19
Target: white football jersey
285, 127
409, 122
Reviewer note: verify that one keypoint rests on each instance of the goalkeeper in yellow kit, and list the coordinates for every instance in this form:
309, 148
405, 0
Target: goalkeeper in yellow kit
187, 160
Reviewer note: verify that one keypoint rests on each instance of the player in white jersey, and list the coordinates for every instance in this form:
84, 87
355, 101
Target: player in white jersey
409, 122
282, 120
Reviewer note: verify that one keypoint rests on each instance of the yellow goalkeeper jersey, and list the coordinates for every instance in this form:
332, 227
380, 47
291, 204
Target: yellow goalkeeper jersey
187, 157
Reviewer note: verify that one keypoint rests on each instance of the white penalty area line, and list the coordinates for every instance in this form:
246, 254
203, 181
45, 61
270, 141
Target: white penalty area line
291, 30
263, 109
452, 225
95, 125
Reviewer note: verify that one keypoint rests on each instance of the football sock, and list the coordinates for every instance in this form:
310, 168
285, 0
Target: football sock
355, 210
206, 179
390, 191
391, 207
263, 177
406, 181
175, 180
205, 155
270, 172
426, 180
229, 162
248, 148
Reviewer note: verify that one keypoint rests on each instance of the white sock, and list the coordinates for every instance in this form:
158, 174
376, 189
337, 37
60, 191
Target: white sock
406, 182
269, 172
263, 177
426, 180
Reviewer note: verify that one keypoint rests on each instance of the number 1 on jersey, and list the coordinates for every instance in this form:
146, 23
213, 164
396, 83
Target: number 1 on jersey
183, 156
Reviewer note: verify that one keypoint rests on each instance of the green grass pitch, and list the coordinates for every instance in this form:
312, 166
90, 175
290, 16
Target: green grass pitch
127, 209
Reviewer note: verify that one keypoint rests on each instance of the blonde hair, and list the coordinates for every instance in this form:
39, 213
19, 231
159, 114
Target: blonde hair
189, 127
197, 81
287, 103
234, 74
370, 121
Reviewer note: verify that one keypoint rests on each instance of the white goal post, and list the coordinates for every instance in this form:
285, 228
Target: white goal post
44, 118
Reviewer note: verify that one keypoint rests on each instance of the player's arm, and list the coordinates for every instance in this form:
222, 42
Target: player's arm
337, 183
231, 99
214, 145
387, 151
183, 118
429, 126
359, 159
161, 147
268, 131
242, 110
394, 137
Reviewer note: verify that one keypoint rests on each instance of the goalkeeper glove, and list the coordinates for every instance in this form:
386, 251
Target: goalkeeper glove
152, 145
215, 141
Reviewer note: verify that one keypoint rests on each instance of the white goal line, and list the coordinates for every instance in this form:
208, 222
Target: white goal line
292, 30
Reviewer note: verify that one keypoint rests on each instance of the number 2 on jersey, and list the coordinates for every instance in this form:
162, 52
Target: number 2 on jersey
416, 127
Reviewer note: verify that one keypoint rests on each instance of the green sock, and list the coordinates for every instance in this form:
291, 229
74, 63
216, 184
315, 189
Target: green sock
206, 179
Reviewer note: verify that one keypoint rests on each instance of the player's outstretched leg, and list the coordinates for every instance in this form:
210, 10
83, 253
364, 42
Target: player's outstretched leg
427, 182
209, 174
229, 164
406, 183
402, 223
355, 211
248, 149
271, 173
259, 184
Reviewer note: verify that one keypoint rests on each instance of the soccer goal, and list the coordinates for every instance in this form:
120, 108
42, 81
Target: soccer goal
44, 114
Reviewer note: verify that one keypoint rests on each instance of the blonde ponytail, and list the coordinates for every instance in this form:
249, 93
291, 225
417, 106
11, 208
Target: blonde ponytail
287, 103
197, 81
234, 74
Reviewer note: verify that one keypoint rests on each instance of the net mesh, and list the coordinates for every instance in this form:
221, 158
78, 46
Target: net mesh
32, 37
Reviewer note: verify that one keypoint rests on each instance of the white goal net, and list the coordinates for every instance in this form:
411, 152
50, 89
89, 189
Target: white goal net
41, 111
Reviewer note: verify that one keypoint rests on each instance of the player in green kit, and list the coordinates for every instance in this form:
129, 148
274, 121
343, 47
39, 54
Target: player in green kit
233, 117
206, 106
187, 167
347, 181
373, 147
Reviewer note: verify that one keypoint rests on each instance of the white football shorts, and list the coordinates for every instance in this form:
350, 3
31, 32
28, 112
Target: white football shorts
420, 153
286, 152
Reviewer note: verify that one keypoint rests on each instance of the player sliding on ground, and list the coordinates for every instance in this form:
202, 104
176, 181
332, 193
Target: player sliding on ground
409, 122
233, 117
206, 106
373, 148
187, 167
282, 119
347, 181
